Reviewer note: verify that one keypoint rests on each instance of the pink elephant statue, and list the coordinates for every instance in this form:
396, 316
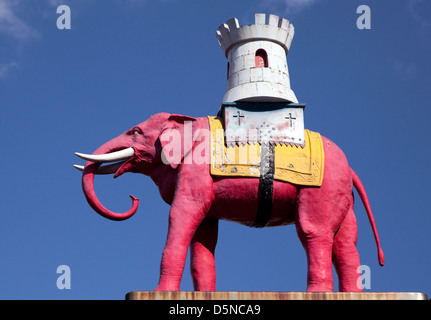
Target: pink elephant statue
323, 216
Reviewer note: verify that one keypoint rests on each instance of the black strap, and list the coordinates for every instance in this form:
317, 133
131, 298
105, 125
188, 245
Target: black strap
266, 183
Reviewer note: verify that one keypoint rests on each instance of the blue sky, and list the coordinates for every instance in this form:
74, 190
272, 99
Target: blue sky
63, 91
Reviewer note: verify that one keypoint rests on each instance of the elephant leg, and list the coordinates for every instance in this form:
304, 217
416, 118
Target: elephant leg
319, 214
318, 247
319, 275
345, 256
192, 201
202, 263
182, 226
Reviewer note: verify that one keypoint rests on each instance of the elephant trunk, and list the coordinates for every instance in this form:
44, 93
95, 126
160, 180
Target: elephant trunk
103, 154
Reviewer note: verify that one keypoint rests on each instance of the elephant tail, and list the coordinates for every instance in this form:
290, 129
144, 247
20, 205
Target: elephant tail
361, 191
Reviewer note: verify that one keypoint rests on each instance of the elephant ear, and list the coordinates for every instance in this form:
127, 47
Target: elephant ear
177, 140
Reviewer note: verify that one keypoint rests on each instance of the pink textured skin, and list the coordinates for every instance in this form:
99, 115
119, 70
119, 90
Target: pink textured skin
324, 217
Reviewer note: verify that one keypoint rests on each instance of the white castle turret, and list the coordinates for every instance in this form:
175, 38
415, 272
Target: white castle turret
257, 64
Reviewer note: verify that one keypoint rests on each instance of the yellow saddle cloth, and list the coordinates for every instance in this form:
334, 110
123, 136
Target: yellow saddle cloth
296, 165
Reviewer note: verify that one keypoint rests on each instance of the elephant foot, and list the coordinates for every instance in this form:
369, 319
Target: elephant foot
167, 288
320, 288
169, 284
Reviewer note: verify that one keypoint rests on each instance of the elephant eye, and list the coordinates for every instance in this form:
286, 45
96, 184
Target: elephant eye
136, 131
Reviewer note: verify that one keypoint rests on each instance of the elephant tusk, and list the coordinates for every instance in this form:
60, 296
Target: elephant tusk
108, 157
108, 169
80, 168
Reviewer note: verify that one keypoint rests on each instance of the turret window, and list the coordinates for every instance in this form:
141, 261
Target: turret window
261, 59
